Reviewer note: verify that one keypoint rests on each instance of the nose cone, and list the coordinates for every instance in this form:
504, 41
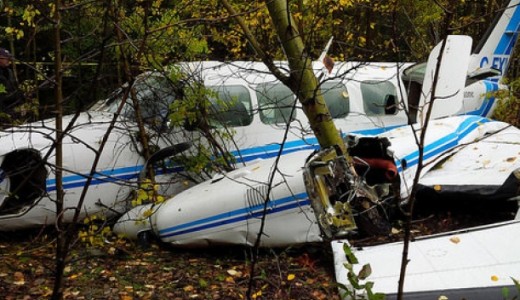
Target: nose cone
135, 221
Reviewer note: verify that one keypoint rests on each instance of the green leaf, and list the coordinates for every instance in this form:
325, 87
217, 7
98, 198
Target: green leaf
351, 258
348, 266
505, 292
354, 281
203, 283
517, 283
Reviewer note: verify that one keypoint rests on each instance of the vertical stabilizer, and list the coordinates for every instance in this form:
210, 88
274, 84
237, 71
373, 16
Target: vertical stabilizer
447, 76
495, 49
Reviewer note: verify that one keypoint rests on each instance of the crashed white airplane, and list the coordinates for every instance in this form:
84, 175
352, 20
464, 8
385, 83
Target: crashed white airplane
363, 98
466, 156
308, 196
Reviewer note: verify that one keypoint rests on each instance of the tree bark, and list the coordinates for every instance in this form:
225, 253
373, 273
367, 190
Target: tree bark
61, 246
302, 80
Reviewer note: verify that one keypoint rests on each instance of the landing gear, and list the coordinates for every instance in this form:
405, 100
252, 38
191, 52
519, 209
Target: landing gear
343, 201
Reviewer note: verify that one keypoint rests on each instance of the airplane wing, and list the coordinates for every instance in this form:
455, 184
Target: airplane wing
487, 168
473, 264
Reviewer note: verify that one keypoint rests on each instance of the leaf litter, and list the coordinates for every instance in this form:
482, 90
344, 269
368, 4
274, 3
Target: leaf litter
124, 271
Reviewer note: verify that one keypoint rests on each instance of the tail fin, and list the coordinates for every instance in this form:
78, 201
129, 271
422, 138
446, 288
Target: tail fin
495, 49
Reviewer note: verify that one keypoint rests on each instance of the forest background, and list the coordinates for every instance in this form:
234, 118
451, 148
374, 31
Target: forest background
158, 33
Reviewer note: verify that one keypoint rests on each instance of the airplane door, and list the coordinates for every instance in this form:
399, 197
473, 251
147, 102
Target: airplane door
451, 78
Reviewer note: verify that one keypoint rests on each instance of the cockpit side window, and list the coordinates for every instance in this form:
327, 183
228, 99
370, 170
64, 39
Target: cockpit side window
155, 97
413, 78
154, 94
275, 103
337, 98
231, 106
379, 97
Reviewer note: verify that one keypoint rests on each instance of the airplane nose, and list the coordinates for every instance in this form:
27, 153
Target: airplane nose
135, 221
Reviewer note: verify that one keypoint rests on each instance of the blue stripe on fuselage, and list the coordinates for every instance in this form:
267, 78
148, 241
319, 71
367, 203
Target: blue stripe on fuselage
437, 147
443, 144
245, 155
488, 102
105, 176
236, 216
272, 150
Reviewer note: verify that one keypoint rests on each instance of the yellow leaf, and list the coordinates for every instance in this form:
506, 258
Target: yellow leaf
19, 278
232, 272
455, 240
362, 40
230, 279
188, 288
257, 294
291, 277
147, 213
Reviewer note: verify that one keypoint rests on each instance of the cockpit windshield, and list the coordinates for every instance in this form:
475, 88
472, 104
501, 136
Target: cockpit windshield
154, 93
415, 73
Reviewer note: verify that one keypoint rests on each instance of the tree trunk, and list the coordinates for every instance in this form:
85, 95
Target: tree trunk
61, 246
302, 80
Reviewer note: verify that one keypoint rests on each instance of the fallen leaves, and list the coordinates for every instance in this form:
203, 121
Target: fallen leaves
172, 274
234, 273
18, 278
306, 261
455, 240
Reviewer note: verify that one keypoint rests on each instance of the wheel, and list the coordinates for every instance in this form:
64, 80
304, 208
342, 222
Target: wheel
370, 220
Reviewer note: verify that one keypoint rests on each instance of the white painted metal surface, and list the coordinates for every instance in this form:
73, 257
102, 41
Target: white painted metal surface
446, 70
464, 263
227, 209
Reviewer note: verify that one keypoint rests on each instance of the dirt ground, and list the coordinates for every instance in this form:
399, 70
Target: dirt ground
125, 271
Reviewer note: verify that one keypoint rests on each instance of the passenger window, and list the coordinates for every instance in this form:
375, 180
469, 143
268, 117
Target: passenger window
231, 106
336, 98
379, 97
275, 102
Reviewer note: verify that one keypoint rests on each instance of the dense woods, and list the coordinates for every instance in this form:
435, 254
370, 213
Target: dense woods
159, 33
